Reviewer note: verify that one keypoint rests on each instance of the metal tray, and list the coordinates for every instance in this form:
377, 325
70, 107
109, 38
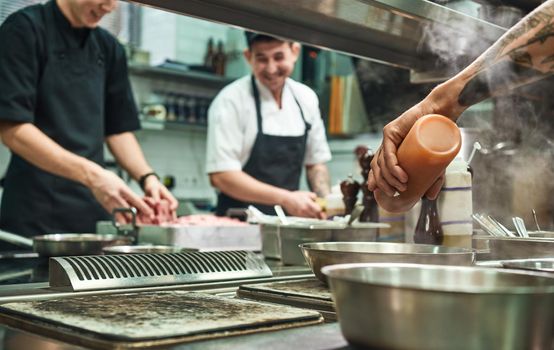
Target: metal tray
245, 237
541, 245
322, 254
282, 241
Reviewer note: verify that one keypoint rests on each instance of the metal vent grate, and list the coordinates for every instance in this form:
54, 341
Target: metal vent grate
80, 273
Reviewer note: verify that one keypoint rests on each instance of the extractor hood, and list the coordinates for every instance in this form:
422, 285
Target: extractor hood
396, 32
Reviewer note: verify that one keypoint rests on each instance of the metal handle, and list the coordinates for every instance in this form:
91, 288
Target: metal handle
131, 229
16, 239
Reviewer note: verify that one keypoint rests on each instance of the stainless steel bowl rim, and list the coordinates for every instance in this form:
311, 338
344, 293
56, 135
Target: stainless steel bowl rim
130, 248
76, 237
331, 272
311, 246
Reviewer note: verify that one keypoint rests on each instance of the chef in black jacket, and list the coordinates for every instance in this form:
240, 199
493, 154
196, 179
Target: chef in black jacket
64, 90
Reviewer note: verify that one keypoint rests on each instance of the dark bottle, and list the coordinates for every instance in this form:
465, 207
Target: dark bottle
428, 229
370, 213
349, 189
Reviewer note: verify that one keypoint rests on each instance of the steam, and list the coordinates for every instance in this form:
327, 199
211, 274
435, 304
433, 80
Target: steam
513, 171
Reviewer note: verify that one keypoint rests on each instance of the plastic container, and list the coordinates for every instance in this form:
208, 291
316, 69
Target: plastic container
431, 144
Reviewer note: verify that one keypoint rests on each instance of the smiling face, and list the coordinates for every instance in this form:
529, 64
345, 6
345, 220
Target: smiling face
272, 62
86, 13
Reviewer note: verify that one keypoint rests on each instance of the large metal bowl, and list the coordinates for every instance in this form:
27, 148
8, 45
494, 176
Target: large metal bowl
322, 254
410, 306
64, 244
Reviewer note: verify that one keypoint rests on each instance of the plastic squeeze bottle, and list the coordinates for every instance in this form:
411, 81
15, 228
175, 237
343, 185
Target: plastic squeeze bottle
431, 144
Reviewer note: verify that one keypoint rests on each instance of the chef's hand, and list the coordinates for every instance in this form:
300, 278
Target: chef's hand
302, 203
386, 174
157, 191
111, 192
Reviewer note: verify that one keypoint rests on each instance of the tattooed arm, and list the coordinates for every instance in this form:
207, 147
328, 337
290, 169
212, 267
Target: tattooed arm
318, 179
522, 55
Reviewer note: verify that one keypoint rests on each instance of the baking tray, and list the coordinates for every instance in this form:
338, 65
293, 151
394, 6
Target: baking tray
204, 238
153, 319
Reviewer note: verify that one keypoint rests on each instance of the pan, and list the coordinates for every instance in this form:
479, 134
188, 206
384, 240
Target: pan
64, 244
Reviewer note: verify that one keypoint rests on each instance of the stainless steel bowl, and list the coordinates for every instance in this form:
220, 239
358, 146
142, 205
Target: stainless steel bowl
322, 254
142, 249
67, 244
410, 306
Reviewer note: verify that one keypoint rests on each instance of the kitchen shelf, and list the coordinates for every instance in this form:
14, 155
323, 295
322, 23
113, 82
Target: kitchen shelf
187, 76
168, 125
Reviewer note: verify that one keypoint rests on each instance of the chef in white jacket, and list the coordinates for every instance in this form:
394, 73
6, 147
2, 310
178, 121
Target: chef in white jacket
263, 129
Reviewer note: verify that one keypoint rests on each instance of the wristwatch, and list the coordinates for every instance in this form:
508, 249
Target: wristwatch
143, 178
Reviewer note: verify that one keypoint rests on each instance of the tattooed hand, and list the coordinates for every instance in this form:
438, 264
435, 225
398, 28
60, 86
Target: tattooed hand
523, 55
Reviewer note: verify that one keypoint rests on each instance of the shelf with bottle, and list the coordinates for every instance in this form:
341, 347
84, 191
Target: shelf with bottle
175, 111
190, 76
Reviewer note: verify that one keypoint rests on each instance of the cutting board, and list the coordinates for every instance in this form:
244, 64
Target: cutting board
151, 319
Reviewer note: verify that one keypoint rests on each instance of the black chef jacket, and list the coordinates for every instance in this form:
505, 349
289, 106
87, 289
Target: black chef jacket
73, 85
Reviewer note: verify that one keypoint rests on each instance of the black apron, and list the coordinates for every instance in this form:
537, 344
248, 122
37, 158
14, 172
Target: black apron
275, 160
70, 110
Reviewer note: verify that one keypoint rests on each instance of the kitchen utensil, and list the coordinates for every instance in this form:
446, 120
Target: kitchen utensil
411, 306
536, 221
476, 147
16, 239
319, 255
142, 249
281, 214
69, 244
520, 227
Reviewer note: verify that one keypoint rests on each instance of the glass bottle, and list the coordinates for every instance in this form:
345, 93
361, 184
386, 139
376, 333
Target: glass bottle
428, 229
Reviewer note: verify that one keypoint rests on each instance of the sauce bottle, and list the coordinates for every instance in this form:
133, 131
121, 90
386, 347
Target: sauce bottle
428, 228
431, 144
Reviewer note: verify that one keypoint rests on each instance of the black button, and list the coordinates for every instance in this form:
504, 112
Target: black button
62, 56
100, 62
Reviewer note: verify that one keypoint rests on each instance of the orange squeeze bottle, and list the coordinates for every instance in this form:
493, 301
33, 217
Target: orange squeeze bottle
431, 144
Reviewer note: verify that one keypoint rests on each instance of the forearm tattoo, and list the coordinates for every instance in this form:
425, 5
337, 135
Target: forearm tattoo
525, 54
318, 179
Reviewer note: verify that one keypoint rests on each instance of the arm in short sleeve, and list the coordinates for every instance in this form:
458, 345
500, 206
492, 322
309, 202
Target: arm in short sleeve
121, 111
19, 69
225, 136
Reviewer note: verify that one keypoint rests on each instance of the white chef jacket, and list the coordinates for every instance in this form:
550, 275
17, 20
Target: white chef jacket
232, 124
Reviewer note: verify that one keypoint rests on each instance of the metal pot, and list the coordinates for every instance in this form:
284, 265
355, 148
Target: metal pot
64, 244
409, 306
319, 255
